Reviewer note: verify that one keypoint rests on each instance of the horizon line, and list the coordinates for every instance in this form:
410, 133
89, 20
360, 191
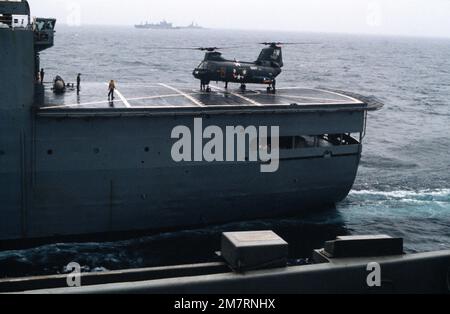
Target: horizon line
206, 28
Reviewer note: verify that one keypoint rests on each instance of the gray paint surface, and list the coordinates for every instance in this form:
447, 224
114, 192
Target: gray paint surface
412, 274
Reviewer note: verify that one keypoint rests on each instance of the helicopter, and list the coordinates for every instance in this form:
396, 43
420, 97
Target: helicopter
264, 70
59, 86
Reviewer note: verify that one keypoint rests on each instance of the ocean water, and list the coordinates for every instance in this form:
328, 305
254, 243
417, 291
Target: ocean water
403, 185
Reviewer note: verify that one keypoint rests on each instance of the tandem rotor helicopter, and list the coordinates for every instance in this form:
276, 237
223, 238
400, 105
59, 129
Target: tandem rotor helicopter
265, 70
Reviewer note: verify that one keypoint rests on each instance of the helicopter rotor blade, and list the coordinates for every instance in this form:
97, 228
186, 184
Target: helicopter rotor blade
286, 44
210, 49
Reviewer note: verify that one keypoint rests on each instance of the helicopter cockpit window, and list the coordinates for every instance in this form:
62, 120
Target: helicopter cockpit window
202, 66
265, 54
276, 54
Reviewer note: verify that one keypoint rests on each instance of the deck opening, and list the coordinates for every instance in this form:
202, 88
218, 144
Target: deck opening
315, 141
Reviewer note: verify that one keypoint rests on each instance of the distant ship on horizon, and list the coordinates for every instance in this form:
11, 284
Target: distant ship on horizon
193, 25
166, 25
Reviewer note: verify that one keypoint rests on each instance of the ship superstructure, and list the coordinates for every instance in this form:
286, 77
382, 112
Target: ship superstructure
167, 25
160, 25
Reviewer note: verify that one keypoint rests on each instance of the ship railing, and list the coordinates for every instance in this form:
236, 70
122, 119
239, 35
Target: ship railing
44, 32
14, 22
14, 14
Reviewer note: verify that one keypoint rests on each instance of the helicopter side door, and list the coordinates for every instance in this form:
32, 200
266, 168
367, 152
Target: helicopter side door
223, 73
240, 73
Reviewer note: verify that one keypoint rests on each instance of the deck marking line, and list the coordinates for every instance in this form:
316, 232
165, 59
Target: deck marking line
106, 101
238, 95
330, 101
192, 99
293, 87
123, 99
325, 91
76, 105
342, 95
160, 96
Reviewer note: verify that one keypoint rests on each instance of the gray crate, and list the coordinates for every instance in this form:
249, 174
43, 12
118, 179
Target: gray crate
364, 246
245, 251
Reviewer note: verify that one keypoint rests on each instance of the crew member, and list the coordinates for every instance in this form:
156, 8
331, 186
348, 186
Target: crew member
78, 82
111, 87
42, 76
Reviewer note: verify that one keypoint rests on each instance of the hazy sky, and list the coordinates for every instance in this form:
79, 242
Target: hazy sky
404, 17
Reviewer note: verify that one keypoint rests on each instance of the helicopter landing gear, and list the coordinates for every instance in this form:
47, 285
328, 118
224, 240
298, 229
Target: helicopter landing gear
272, 88
243, 87
204, 86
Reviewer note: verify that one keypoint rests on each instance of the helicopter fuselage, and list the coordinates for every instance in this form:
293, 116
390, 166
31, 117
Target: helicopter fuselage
236, 72
263, 71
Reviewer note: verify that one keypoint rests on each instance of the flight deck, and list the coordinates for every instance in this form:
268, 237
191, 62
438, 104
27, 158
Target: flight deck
160, 96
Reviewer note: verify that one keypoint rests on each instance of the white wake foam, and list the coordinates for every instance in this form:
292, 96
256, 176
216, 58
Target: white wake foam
399, 194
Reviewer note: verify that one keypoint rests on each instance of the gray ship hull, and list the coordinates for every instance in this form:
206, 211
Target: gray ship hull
101, 175
103, 205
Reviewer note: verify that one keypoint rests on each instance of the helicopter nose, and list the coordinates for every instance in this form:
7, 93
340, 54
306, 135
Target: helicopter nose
198, 73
